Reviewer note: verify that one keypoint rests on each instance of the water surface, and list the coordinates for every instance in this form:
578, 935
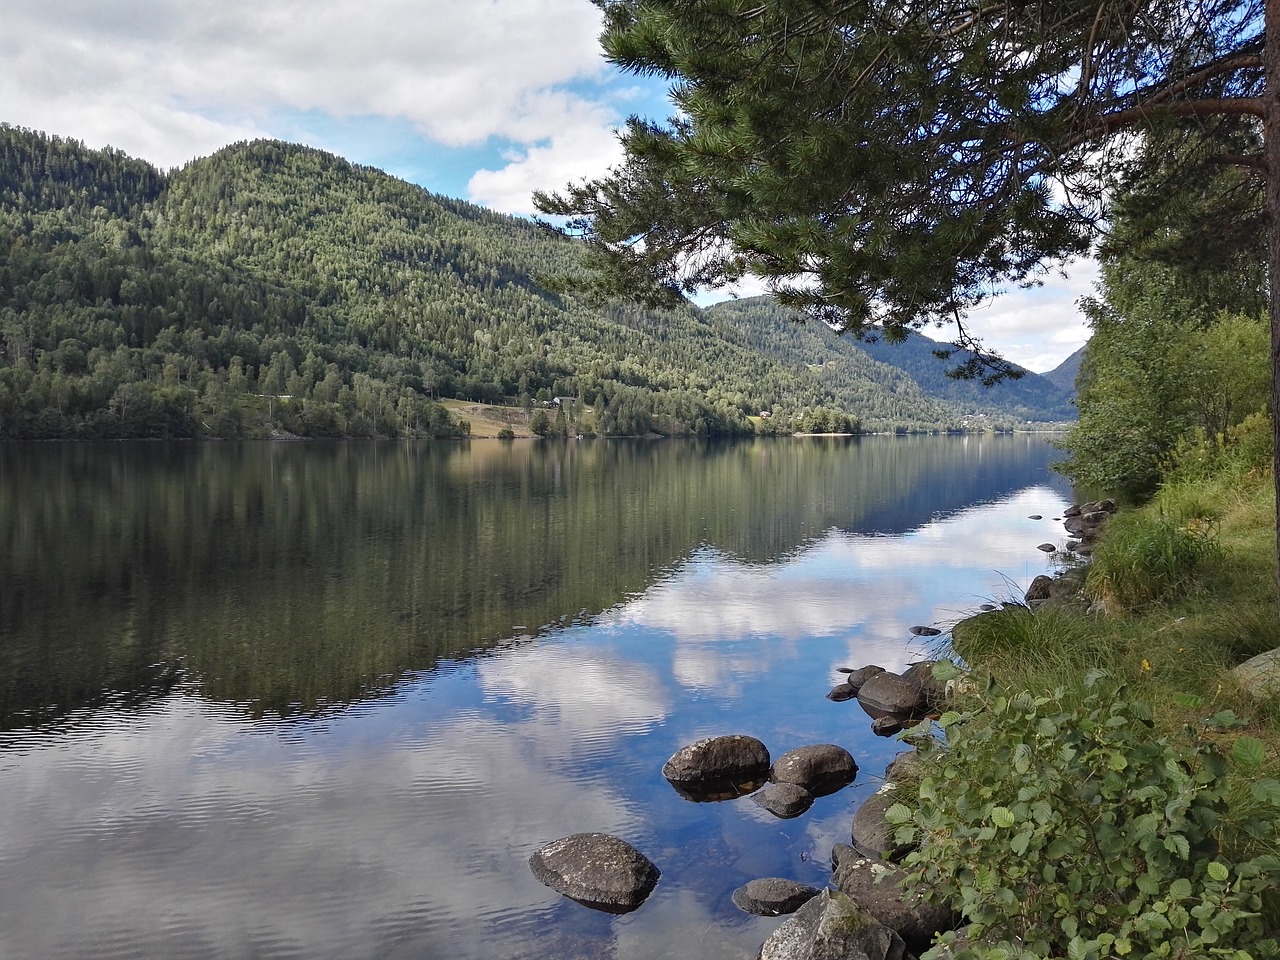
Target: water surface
323, 700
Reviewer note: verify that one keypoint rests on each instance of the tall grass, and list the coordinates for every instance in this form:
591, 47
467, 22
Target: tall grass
1049, 640
1151, 556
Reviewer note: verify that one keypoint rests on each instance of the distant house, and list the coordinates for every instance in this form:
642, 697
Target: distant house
765, 415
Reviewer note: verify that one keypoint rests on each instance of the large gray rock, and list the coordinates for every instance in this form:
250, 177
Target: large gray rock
773, 896
876, 888
597, 870
888, 694
718, 768
1260, 676
832, 927
872, 833
820, 768
784, 800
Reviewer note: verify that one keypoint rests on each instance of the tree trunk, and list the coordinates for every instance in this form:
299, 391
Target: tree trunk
1271, 139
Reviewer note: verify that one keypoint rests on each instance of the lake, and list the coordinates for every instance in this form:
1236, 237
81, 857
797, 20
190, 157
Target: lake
324, 700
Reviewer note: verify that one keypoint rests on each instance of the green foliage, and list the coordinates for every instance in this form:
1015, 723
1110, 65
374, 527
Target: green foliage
1064, 826
1149, 557
1242, 450
1180, 350
540, 424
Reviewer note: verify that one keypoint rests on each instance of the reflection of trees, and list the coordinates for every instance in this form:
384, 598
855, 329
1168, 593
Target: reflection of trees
285, 577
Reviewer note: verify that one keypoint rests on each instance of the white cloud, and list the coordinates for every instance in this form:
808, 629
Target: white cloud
1041, 326
577, 693
584, 146
167, 80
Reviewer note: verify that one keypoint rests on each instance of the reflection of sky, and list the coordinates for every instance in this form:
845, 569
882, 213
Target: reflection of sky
402, 827
865, 590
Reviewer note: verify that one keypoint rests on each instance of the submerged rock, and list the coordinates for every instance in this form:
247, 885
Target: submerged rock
718, 768
887, 726
773, 896
821, 768
596, 870
784, 800
926, 631
841, 692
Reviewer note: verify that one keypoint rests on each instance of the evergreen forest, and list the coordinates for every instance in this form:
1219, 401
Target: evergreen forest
273, 290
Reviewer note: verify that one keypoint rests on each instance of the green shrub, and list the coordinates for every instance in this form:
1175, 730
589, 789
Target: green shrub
1243, 450
506, 433
1062, 826
1149, 557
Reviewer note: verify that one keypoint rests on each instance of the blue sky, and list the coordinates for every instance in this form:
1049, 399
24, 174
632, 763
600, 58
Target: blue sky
482, 99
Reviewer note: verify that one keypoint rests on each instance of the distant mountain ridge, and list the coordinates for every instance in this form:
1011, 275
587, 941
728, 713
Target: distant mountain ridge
1065, 374
1030, 398
135, 302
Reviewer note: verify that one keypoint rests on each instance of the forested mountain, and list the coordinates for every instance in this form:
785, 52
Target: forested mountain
1064, 375
273, 287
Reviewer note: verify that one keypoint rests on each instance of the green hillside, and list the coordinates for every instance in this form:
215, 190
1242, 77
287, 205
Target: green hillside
275, 288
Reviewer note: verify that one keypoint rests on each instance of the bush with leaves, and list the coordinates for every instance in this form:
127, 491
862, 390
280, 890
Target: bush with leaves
1064, 826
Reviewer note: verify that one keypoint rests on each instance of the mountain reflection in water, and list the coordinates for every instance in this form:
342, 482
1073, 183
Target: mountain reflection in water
271, 700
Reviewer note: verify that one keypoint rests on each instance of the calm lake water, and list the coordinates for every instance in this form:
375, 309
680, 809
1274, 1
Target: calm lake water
324, 700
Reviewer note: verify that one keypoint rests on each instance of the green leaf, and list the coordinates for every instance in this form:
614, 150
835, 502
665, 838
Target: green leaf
949, 719
898, 813
1248, 753
1224, 720
1188, 700
1267, 791
1177, 843
1218, 872
1180, 889
945, 670
1002, 817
